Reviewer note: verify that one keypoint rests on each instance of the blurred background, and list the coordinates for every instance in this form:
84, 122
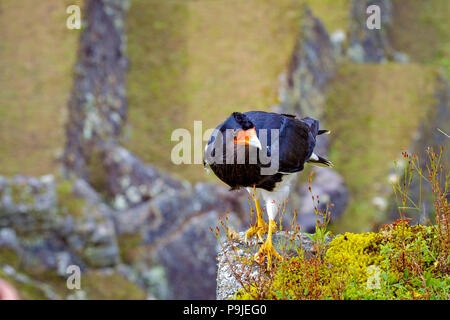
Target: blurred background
86, 117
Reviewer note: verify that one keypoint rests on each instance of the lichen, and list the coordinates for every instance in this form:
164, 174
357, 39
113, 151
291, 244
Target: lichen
21, 194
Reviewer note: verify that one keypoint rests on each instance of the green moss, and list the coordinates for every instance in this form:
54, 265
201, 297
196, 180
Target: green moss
103, 286
9, 257
399, 262
98, 176
334, 14
68, 202
21, 194
356, 252
129, 246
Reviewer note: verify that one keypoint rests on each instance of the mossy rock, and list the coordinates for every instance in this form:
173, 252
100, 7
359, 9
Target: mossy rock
97, 285
9, 256
398, 262
129, 245
68, 202
103, 286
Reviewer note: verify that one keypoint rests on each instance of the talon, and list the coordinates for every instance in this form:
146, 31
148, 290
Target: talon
267, 249
260, 229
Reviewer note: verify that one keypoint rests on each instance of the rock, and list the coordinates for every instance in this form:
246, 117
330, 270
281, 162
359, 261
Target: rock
132, 181
52, 223
97, 105
235, 256
189, 260
371, 45
28, 203
311, 67
338, 39
176, 240
401, 57
8, 238
368, 45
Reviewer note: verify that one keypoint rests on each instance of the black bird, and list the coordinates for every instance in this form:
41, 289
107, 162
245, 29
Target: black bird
263, 152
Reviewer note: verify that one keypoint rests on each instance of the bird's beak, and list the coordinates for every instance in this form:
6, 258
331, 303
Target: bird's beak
254, 142
248, 138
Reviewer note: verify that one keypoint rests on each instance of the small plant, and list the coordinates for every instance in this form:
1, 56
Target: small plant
321, 234
438, 179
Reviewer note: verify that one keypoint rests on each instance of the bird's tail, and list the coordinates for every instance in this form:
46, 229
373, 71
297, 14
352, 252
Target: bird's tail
319, 161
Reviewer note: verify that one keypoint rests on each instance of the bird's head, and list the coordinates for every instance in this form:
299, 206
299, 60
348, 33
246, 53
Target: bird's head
245, 131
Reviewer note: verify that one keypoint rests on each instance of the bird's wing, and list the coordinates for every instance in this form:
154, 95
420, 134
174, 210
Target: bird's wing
296, 137
296, 145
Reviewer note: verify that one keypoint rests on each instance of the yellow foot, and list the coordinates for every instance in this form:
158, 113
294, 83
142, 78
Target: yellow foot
267, 250
260, 229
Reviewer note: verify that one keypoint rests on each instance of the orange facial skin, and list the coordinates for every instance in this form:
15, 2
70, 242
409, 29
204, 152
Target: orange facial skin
243, 136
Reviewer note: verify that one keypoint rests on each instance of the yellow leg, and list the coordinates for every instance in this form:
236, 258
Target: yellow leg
260, 228
267, 249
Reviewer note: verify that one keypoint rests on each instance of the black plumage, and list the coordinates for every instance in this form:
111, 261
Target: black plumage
297, 139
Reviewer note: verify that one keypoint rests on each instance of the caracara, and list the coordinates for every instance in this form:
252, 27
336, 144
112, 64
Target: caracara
263, 152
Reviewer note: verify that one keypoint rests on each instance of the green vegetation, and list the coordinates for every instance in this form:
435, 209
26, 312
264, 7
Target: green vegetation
370, 127
68, 202
9, 256
129, 247
112, 286
21, 194
334, 14
422, 30
399, 262
37, 54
